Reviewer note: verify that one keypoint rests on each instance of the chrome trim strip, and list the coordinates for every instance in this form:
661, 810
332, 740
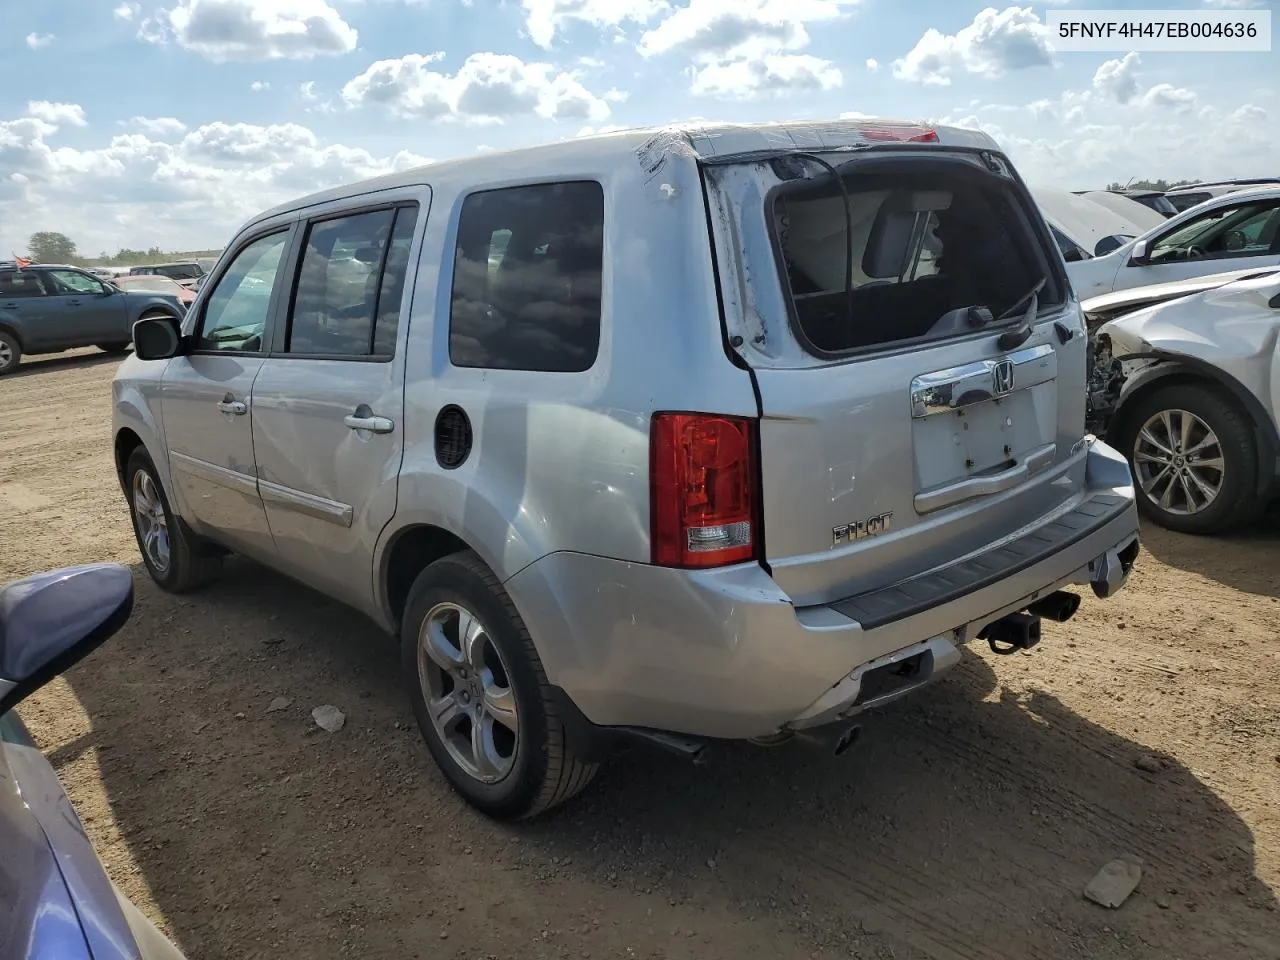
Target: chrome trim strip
971, 487
223, 476
306, 503
945, 391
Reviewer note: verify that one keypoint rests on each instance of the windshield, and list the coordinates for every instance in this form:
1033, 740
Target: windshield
925, 244
1236, 231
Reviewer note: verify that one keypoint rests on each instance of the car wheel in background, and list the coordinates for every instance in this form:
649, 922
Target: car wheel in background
10, 353
112, 347
481, 695
174, 557
1194, 458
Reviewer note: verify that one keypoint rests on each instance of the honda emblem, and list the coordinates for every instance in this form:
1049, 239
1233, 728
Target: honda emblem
1002, 377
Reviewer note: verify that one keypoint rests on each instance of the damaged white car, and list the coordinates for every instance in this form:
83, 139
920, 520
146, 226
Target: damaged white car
1185, 382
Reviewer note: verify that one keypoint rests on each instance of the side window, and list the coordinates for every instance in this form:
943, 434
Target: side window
235, 315
20, 283
1240, 231
391, 292
527, 278
350, 285
1071, 252
68, 283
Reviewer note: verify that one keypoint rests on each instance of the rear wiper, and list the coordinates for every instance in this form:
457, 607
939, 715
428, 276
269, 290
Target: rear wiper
1033, 295
1016, 337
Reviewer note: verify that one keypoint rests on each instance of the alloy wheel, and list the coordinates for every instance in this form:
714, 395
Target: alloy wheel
467, 690
153, 525
1178, 462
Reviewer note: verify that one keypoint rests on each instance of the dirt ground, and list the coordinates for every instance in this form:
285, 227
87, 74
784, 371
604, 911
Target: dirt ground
964, 825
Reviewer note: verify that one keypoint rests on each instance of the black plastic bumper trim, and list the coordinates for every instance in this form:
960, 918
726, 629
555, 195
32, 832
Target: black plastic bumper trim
927, 590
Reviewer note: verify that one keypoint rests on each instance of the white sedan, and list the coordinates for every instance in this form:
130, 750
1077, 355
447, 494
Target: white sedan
1235, 231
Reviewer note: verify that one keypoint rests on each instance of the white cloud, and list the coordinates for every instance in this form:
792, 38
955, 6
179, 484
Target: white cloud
872, 64
770, 74
488, 88
258, 86
545, 18
995, 43
1118, 79
1170, 97
37, 40
1233, 4
159, 126
748, 48
191, 193
57, 114
126, 11
253, 30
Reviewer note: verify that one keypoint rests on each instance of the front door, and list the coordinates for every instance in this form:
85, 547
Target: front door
206, 401
85, 311
328, 405
1231, 236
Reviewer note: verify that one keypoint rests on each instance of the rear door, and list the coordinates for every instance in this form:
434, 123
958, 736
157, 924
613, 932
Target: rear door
328, 431
85, 310
898, 432
206, 398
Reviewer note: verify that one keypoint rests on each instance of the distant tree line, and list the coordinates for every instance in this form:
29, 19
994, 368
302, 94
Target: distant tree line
1161, 185
47, 246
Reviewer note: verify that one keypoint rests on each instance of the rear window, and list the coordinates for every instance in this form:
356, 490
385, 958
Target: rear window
927, 247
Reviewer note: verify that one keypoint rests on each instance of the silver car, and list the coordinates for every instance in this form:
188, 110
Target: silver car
679, 435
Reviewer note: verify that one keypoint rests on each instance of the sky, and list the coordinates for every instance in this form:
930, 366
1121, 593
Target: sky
139, 123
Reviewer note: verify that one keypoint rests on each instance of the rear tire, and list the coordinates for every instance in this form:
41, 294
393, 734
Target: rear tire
484, 707
10, 353
1194, 458
112, 347
176, 559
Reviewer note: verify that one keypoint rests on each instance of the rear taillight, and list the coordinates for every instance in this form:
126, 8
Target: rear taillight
703, 489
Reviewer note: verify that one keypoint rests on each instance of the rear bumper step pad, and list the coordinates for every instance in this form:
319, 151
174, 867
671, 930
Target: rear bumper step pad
928, 590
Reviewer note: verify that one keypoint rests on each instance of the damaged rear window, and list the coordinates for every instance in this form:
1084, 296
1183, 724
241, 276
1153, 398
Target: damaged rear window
931, 245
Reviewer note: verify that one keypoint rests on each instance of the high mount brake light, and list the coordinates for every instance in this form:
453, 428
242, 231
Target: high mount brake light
704, 490
889, 130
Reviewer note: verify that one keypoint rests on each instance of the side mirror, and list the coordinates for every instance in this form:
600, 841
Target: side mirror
51, 621
1138, 254
157, 338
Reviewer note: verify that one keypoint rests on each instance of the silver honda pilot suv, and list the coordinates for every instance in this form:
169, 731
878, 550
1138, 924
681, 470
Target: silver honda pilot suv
680, 435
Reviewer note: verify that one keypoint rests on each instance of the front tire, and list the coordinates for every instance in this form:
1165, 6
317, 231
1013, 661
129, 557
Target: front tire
173, 556
10, 353
481, 696
1194, 459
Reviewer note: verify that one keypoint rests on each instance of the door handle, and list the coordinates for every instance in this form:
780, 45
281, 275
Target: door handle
73, 303
236, 407
9, 306
363, 419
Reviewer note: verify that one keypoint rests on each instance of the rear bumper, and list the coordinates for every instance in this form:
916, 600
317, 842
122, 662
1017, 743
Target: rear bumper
725, 654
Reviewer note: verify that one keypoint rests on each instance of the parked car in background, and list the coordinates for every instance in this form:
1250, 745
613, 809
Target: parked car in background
1189, 195
1184, 382
843, 437
1085, 229
1155, 199
185, 272
47, 308
157, 284
1234, 231
1141, 215
57, 899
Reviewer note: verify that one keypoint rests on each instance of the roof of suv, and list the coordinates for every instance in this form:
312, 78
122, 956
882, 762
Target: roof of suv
650, 147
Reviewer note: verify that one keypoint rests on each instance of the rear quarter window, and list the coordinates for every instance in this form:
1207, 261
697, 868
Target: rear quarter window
527, 278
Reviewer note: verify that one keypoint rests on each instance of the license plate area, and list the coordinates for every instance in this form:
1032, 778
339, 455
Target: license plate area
984, 419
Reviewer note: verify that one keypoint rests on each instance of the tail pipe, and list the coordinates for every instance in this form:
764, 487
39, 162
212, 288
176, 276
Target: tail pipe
1059, 607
